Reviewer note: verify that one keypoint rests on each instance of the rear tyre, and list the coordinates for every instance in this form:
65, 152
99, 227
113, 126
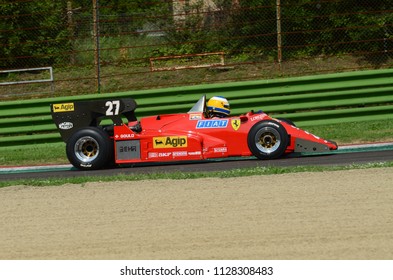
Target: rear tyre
267, 139
89, 148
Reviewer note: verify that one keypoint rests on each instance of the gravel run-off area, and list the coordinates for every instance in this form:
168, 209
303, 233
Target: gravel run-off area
322, 215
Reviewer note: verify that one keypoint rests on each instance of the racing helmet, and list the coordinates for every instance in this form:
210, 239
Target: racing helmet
218, 106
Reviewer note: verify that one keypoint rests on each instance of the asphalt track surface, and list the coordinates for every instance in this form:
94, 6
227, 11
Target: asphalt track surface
335, 159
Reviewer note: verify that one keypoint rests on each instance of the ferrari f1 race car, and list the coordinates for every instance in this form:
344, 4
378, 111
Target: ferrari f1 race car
172, 137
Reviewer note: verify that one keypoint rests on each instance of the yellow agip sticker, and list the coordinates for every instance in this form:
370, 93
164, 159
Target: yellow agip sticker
170, 142
63, 107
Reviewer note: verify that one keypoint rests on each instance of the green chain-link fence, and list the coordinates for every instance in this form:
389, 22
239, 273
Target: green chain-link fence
107, 45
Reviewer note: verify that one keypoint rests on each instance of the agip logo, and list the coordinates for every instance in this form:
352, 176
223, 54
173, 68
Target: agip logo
170, 142
64, 107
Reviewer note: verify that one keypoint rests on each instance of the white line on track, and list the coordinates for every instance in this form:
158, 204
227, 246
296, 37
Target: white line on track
34, 168
365, 146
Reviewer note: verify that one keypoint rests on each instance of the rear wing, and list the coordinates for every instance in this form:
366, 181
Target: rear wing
70, 117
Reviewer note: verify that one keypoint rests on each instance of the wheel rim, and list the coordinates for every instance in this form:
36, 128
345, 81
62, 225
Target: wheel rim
268, 140
86, 149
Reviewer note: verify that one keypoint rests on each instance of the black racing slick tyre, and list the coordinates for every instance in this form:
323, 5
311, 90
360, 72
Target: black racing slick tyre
90, 148
267, 139
288, 121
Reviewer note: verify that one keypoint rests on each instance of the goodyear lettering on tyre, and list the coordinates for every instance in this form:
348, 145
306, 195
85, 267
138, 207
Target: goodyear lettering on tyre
63, 107
274, 124
170, 142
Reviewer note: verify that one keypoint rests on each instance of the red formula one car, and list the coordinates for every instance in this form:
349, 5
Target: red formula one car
173, 137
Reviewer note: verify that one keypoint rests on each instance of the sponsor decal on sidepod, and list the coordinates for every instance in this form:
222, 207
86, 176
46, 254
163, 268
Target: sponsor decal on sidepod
212, 124
64, 107
66, 125
169, 142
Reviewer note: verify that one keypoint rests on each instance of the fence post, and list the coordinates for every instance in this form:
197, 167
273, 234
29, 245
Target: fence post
96, 37
279, 42
70, 25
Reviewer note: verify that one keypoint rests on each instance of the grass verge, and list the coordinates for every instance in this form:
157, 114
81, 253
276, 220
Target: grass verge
241, 172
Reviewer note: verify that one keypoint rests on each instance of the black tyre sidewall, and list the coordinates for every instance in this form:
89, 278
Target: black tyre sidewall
288, 121
104, 156
272, 124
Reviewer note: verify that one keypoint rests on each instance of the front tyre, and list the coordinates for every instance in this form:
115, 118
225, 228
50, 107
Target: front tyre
89, 148
288, 121
267, 139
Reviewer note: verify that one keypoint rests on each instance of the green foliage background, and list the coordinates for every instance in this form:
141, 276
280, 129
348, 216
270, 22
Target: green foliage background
39, 32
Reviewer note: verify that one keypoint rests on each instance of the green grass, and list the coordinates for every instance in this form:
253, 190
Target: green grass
355, 132
33, 155
241, 172
345, 133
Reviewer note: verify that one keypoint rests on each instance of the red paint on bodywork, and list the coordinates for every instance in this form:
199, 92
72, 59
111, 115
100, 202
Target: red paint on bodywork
192, 136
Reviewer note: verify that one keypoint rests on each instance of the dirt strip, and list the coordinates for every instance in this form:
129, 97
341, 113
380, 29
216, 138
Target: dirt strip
329, 215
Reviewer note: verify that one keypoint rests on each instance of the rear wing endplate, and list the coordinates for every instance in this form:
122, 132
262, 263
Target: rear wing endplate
70, 117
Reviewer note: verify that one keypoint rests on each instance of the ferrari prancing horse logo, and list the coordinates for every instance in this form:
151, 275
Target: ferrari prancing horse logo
235, 124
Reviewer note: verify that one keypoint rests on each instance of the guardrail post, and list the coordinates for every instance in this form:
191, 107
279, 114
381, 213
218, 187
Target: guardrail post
70, 26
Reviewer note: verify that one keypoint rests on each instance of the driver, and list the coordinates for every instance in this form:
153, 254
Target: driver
218, 106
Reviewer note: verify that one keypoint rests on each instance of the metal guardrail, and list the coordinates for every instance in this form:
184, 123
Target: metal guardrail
30, 81
310, 100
